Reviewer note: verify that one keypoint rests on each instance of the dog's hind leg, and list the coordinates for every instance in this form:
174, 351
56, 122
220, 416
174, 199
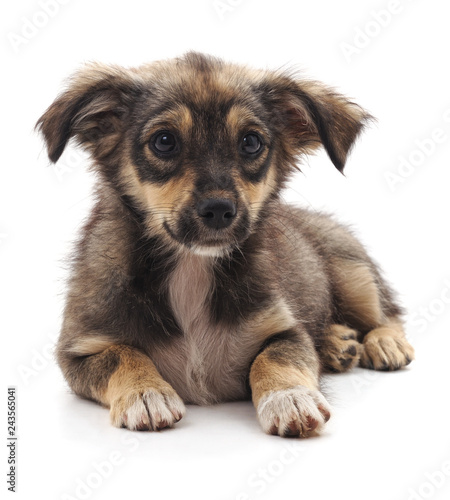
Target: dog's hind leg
365, 304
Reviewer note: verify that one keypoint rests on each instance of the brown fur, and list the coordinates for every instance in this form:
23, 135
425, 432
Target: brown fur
340, 348
385, 347
132, 385
192, 280
360, 298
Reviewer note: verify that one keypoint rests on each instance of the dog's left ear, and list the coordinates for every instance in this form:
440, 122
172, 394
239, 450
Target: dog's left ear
310, 114
92, 110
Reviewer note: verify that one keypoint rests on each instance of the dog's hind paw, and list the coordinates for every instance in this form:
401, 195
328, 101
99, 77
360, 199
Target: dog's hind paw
340, 349
385, 349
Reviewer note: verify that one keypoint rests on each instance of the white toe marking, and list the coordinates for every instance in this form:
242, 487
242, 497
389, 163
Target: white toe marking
297, 404
152, 410
136, 415
163, 408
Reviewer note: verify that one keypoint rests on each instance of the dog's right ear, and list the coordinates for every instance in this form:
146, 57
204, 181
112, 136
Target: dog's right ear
92, 110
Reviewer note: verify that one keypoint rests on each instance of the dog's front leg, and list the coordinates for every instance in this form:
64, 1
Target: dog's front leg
125, 380
284, 379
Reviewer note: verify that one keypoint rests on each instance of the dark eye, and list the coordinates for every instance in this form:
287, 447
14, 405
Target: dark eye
251, 144
164, 143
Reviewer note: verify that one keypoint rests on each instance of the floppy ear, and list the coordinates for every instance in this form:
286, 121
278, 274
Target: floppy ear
311, 114
92, 110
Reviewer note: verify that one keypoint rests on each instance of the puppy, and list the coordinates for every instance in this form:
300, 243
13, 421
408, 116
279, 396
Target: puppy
192, 282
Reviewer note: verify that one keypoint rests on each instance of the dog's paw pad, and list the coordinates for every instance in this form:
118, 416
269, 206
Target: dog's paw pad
340, 350
147, 410
293, 412
384, 352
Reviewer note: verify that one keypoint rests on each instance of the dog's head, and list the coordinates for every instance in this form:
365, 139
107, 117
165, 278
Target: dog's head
196, 145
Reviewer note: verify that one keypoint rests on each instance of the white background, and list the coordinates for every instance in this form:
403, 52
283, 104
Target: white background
389, 436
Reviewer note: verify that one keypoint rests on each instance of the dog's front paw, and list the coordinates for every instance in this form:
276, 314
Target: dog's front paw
297, 411
151, 409
384, 350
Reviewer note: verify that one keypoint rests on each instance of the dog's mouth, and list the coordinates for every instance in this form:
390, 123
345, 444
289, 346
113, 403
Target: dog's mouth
212, 247
211, 250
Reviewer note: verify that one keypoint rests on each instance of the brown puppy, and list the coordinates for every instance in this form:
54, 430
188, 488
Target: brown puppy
192, 281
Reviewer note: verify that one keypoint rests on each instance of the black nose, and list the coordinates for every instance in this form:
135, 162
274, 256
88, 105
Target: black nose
216, 214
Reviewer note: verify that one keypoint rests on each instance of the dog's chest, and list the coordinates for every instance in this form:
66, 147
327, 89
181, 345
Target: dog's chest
206, 364
190, 287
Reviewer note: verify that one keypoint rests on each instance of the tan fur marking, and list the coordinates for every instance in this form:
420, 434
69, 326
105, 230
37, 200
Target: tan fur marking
179, 118
137, 395
386, 347
185, 121
240, 117
340, 350
276, 319
169, 195
87, 346
256, 194
159, 201
359, 294
267, 376
136, 371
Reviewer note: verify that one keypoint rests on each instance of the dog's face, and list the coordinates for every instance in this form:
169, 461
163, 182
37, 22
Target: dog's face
198, 146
